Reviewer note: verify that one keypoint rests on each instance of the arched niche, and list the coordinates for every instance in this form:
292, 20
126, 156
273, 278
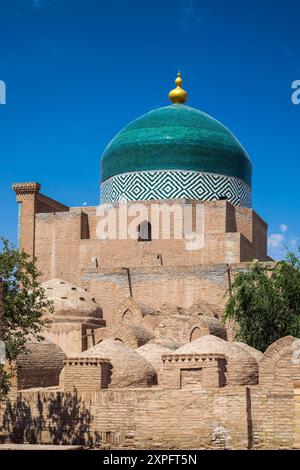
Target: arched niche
144, 231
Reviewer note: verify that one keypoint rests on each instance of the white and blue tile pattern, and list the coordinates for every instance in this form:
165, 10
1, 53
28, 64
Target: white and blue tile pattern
174, 184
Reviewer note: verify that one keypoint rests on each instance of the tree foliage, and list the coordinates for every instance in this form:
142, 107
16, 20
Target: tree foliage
24, 305
265, 302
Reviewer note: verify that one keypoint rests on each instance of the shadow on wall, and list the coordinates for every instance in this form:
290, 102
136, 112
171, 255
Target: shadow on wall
61, 419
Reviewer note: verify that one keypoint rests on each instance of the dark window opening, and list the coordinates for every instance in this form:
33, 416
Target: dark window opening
144, 231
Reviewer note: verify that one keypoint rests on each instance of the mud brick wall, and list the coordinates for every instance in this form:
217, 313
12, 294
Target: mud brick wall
74, 232
150, 418
181, 286
227, 418
89, 374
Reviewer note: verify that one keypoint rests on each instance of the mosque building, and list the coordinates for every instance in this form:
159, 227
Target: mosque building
175, 156
137, 340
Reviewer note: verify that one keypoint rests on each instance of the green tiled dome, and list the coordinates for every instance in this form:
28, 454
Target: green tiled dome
176, 137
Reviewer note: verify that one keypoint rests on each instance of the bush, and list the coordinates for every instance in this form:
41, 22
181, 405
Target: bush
23, 306
265, 302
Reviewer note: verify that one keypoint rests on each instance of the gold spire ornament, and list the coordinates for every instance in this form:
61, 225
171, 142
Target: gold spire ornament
178, 95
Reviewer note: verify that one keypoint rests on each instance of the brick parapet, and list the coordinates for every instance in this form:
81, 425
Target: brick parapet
85, 374
81, 361
191, 359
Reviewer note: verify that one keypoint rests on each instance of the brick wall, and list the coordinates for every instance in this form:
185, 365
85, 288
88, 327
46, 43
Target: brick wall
229, 417
179, 286
86, 374
155, 419
50, 229
263, 416
193, 370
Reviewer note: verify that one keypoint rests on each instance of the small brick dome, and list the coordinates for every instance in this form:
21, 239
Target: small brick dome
129, 369
242, 367
132, 334
166, 342
40, 365
258, 355
71, 302
152, 352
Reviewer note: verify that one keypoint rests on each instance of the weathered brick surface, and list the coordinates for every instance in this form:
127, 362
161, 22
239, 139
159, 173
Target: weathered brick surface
279, 375
192, 371
145, 289
180, 286
197, 415
40, 365
66, 244
132, 418
85, 374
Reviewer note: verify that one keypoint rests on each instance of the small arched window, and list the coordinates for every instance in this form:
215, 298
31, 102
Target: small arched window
144, 231
195, 334
118, 340
127, 315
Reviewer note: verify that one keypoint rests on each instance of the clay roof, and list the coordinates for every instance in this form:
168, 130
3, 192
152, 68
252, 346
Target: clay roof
258, 355
166, 342
142, 333
213, 325
129, 369
152, 352
43, 354
70, 300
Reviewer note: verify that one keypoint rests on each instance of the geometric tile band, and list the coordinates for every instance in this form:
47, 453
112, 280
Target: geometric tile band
173, 184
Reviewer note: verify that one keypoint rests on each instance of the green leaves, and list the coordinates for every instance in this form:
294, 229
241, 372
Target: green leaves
265, 302
24, 304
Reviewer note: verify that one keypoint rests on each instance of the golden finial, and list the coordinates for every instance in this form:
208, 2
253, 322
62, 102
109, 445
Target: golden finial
178, 95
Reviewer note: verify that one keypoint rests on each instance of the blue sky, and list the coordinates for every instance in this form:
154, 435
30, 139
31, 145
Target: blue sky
78, 71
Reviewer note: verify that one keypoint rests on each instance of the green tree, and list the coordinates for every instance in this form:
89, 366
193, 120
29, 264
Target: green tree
265, 302
23, 306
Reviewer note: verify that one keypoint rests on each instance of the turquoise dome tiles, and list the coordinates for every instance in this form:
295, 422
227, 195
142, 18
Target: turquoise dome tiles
176, 141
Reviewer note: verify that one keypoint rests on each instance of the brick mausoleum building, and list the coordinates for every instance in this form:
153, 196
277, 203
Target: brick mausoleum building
137, 355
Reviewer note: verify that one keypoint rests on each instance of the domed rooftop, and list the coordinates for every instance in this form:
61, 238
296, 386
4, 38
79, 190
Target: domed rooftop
40, 365
242, 367
129, 369
70, 301
166, 342
183, 149
128, 332
176, 137
152, 352
258, 355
